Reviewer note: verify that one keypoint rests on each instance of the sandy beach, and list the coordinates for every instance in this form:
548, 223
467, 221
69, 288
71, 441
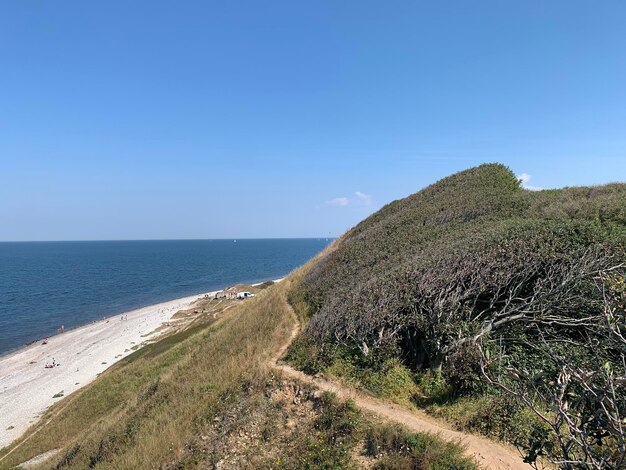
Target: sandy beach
27, 388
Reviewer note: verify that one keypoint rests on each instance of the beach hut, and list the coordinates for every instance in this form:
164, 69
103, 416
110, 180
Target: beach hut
221, 295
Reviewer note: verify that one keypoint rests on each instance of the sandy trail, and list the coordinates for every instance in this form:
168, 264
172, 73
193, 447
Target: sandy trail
27, 387
488, 453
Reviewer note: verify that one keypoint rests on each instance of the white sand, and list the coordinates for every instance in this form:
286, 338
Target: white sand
27, 387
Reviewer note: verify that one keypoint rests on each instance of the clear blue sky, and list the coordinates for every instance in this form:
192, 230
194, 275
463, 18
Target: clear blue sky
204, 119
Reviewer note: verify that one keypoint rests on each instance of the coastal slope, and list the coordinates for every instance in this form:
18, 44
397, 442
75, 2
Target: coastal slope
211, 396
76, 357
389, 335
487, 305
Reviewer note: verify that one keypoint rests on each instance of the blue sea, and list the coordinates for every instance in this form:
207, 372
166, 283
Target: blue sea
47, 284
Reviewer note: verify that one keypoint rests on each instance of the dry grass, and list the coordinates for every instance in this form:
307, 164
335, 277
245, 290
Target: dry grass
140, 413
205, 396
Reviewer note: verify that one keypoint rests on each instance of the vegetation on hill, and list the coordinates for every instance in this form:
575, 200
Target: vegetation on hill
475, 294
206, 397
498, 309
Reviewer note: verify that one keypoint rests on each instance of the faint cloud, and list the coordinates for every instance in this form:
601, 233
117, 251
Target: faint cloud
524, 179
339, 202
359, 199
363, 199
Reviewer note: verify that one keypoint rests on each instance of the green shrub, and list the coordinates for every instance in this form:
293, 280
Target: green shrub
392, 380
497, 415
468, 238
428, 275
434, 388
462, 371
308, 355
389, 379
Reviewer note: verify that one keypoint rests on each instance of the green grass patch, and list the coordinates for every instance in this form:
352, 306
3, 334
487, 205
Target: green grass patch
159, 347
497, 416
394, 448
390, 380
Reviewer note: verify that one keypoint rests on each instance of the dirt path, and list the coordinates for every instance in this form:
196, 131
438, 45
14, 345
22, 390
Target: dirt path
488, 453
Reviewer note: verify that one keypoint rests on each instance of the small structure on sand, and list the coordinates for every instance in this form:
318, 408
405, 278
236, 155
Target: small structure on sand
244, 295
224, 294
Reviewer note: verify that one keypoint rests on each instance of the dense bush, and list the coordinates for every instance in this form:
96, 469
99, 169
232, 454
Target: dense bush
463, 371
497, 415
473, 255
471, 268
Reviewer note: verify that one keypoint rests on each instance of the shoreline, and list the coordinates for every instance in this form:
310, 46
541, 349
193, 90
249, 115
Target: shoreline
28, 388
37, 341
106, 319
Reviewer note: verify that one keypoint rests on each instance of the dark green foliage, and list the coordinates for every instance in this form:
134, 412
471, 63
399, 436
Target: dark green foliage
539, 444
427, 272
389, 378
434, 388
471, 268
583, 382
463, 372
310, 356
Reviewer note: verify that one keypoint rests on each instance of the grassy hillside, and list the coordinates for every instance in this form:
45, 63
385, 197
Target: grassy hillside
473, 298
438, 298
207, 398
142, 411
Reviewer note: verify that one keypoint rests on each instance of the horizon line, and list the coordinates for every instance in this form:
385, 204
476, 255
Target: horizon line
166, 239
